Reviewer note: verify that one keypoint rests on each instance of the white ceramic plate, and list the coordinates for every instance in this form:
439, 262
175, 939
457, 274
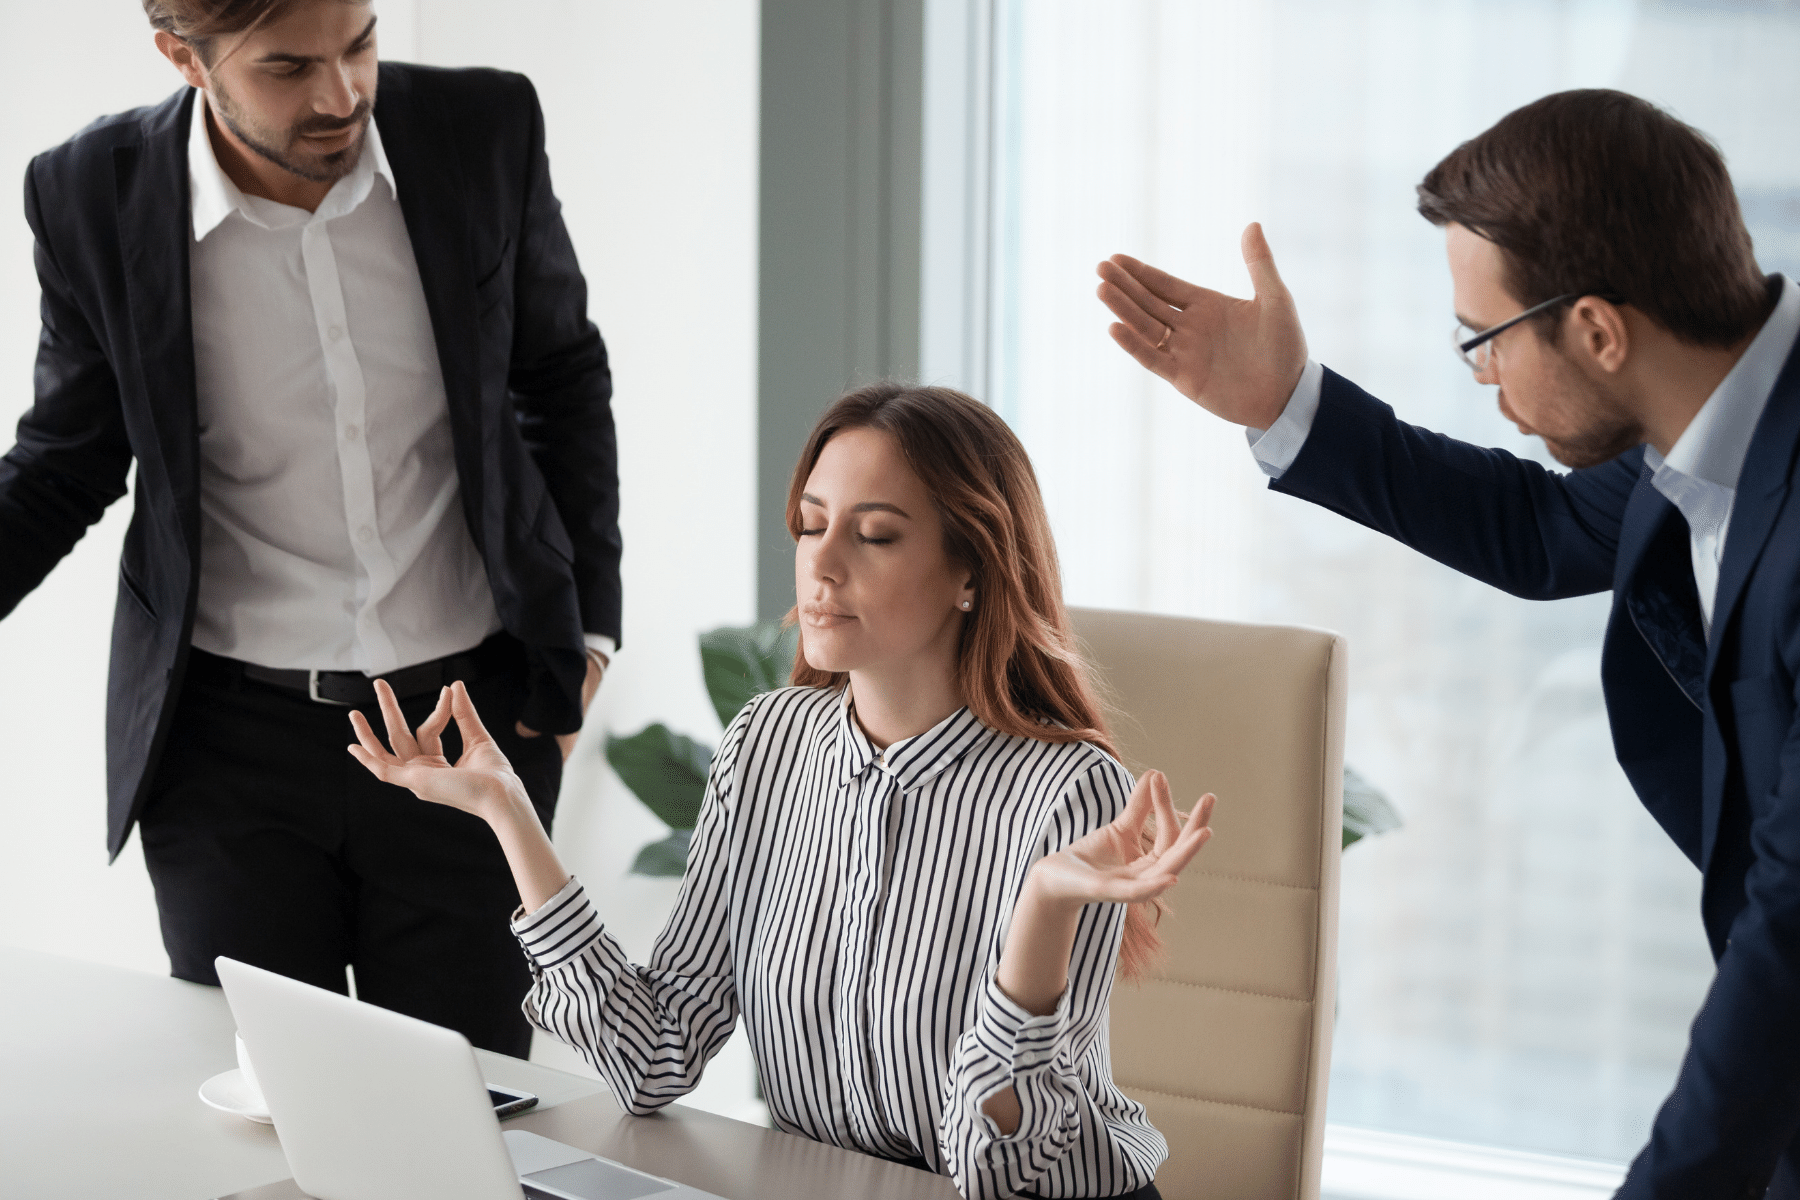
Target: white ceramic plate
227, 1093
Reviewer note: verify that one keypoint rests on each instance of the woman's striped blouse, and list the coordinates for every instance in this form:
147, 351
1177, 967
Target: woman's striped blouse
852, 905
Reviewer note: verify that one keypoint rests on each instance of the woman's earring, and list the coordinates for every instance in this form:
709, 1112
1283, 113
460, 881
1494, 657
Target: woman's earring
965, 605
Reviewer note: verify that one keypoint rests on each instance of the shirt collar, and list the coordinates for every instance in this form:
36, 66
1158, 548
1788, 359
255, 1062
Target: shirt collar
912, 761
213, 197
1715, 443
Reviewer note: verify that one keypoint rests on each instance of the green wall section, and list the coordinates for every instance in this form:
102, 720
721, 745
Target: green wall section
838, 285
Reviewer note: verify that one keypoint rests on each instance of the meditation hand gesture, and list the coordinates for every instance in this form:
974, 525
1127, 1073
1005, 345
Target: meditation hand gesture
1238, 359
478, 782
1111, 863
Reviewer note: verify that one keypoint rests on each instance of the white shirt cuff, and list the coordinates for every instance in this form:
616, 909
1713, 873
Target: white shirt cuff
605, 647
1276, 447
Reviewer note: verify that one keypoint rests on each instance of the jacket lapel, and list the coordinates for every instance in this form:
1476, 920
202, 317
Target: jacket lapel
1654, 581
421, 149
150, 180
1762, 487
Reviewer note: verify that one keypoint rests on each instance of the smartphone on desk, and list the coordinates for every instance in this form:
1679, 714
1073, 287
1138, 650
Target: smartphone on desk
507, 1101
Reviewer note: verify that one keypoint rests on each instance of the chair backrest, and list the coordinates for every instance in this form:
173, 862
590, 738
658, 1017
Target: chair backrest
1228, 1042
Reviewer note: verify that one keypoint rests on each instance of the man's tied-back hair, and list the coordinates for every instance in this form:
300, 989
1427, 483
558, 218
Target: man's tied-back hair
1598, 192
200, 22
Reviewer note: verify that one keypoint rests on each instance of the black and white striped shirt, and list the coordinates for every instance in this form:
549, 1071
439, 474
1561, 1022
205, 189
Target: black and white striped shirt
852, 904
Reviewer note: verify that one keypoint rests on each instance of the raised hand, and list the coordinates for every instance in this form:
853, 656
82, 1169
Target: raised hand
478, 782
1238, 359
1111, 863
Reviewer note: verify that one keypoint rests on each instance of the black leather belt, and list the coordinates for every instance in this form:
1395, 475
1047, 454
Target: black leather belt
353, 689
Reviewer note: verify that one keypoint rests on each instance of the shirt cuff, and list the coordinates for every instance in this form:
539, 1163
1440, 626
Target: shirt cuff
1276, 447
605, 647
1017, 1040
560, 930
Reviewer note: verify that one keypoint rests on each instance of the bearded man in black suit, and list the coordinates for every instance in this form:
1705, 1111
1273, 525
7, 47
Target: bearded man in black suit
329, 309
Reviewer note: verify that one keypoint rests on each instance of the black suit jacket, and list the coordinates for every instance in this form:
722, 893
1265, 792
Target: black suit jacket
1706, 732
525, 374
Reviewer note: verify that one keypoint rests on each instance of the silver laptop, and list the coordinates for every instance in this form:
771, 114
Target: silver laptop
371, 1105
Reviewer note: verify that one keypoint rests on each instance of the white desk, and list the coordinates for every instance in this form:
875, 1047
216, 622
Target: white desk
100, 1069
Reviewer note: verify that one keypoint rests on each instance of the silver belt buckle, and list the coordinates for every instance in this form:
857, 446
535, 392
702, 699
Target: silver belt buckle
312, 691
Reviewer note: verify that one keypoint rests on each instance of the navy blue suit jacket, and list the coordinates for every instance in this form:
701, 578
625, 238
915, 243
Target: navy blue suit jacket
525, 377
1706, 734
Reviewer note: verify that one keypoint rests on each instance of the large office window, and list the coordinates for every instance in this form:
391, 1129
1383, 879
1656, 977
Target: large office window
1521, 961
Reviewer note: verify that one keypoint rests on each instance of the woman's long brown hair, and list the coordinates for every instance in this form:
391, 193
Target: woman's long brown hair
1018, 665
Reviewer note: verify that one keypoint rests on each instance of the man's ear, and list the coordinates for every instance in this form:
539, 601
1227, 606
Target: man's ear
184, 56
1599, 332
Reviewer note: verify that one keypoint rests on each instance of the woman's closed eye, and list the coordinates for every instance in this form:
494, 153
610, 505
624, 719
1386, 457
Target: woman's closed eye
873, 538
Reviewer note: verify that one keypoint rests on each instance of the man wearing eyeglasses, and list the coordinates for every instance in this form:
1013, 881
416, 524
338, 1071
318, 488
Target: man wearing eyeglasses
1605, 283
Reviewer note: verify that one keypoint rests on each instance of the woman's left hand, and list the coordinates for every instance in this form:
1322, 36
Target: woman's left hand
1111, 863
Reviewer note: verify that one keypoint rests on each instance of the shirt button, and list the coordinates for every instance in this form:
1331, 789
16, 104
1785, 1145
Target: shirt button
351, 432
365, 534
335, 332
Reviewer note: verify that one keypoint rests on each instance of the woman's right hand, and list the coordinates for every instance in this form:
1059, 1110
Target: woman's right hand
481, 782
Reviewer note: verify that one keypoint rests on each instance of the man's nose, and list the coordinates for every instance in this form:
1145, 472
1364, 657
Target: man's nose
337, 95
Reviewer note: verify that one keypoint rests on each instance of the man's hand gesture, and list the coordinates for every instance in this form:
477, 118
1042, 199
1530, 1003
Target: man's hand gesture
1238, 359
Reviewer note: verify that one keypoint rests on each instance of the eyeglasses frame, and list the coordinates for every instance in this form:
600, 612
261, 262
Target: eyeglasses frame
1493, 331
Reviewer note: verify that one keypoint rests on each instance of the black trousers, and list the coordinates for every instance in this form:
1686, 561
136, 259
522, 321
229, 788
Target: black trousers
268, 843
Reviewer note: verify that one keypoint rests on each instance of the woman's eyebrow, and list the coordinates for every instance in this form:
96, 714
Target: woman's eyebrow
865, 506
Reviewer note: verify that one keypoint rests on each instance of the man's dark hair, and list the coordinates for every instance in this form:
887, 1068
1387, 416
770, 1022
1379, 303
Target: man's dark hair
200, 22
1600, 193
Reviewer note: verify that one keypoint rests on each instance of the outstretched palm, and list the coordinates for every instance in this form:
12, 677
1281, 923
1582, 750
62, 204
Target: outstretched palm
1111, 863
1238, 359
478, 779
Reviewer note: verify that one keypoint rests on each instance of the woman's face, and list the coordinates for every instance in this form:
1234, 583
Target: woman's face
875, 588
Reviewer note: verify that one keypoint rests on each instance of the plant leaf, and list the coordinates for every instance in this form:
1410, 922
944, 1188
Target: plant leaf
1366, 811
665, 857
666, 770
740, 662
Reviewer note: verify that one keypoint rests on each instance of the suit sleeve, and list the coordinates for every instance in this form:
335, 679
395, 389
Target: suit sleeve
1736, 1103
1496, 517
561, 388
72, 454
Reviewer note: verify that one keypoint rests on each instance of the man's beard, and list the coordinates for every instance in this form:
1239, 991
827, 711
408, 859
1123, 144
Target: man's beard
1598, 429
319, 168
1595, 444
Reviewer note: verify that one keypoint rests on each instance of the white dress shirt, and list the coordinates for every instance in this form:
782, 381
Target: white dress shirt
851, 904
1699, 477
332, 533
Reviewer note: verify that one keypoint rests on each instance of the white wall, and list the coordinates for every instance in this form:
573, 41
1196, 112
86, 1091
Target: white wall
651, 112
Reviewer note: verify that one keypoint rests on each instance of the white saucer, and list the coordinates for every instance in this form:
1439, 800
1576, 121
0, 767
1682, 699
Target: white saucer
227, 1093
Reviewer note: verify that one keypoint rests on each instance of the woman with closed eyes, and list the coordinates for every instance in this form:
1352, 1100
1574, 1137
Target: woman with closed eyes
916, 871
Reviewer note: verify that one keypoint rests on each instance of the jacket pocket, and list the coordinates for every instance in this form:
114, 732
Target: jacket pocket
132, 588
495, 284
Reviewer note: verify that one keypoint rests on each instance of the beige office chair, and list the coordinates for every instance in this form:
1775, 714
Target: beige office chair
1228, 1042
